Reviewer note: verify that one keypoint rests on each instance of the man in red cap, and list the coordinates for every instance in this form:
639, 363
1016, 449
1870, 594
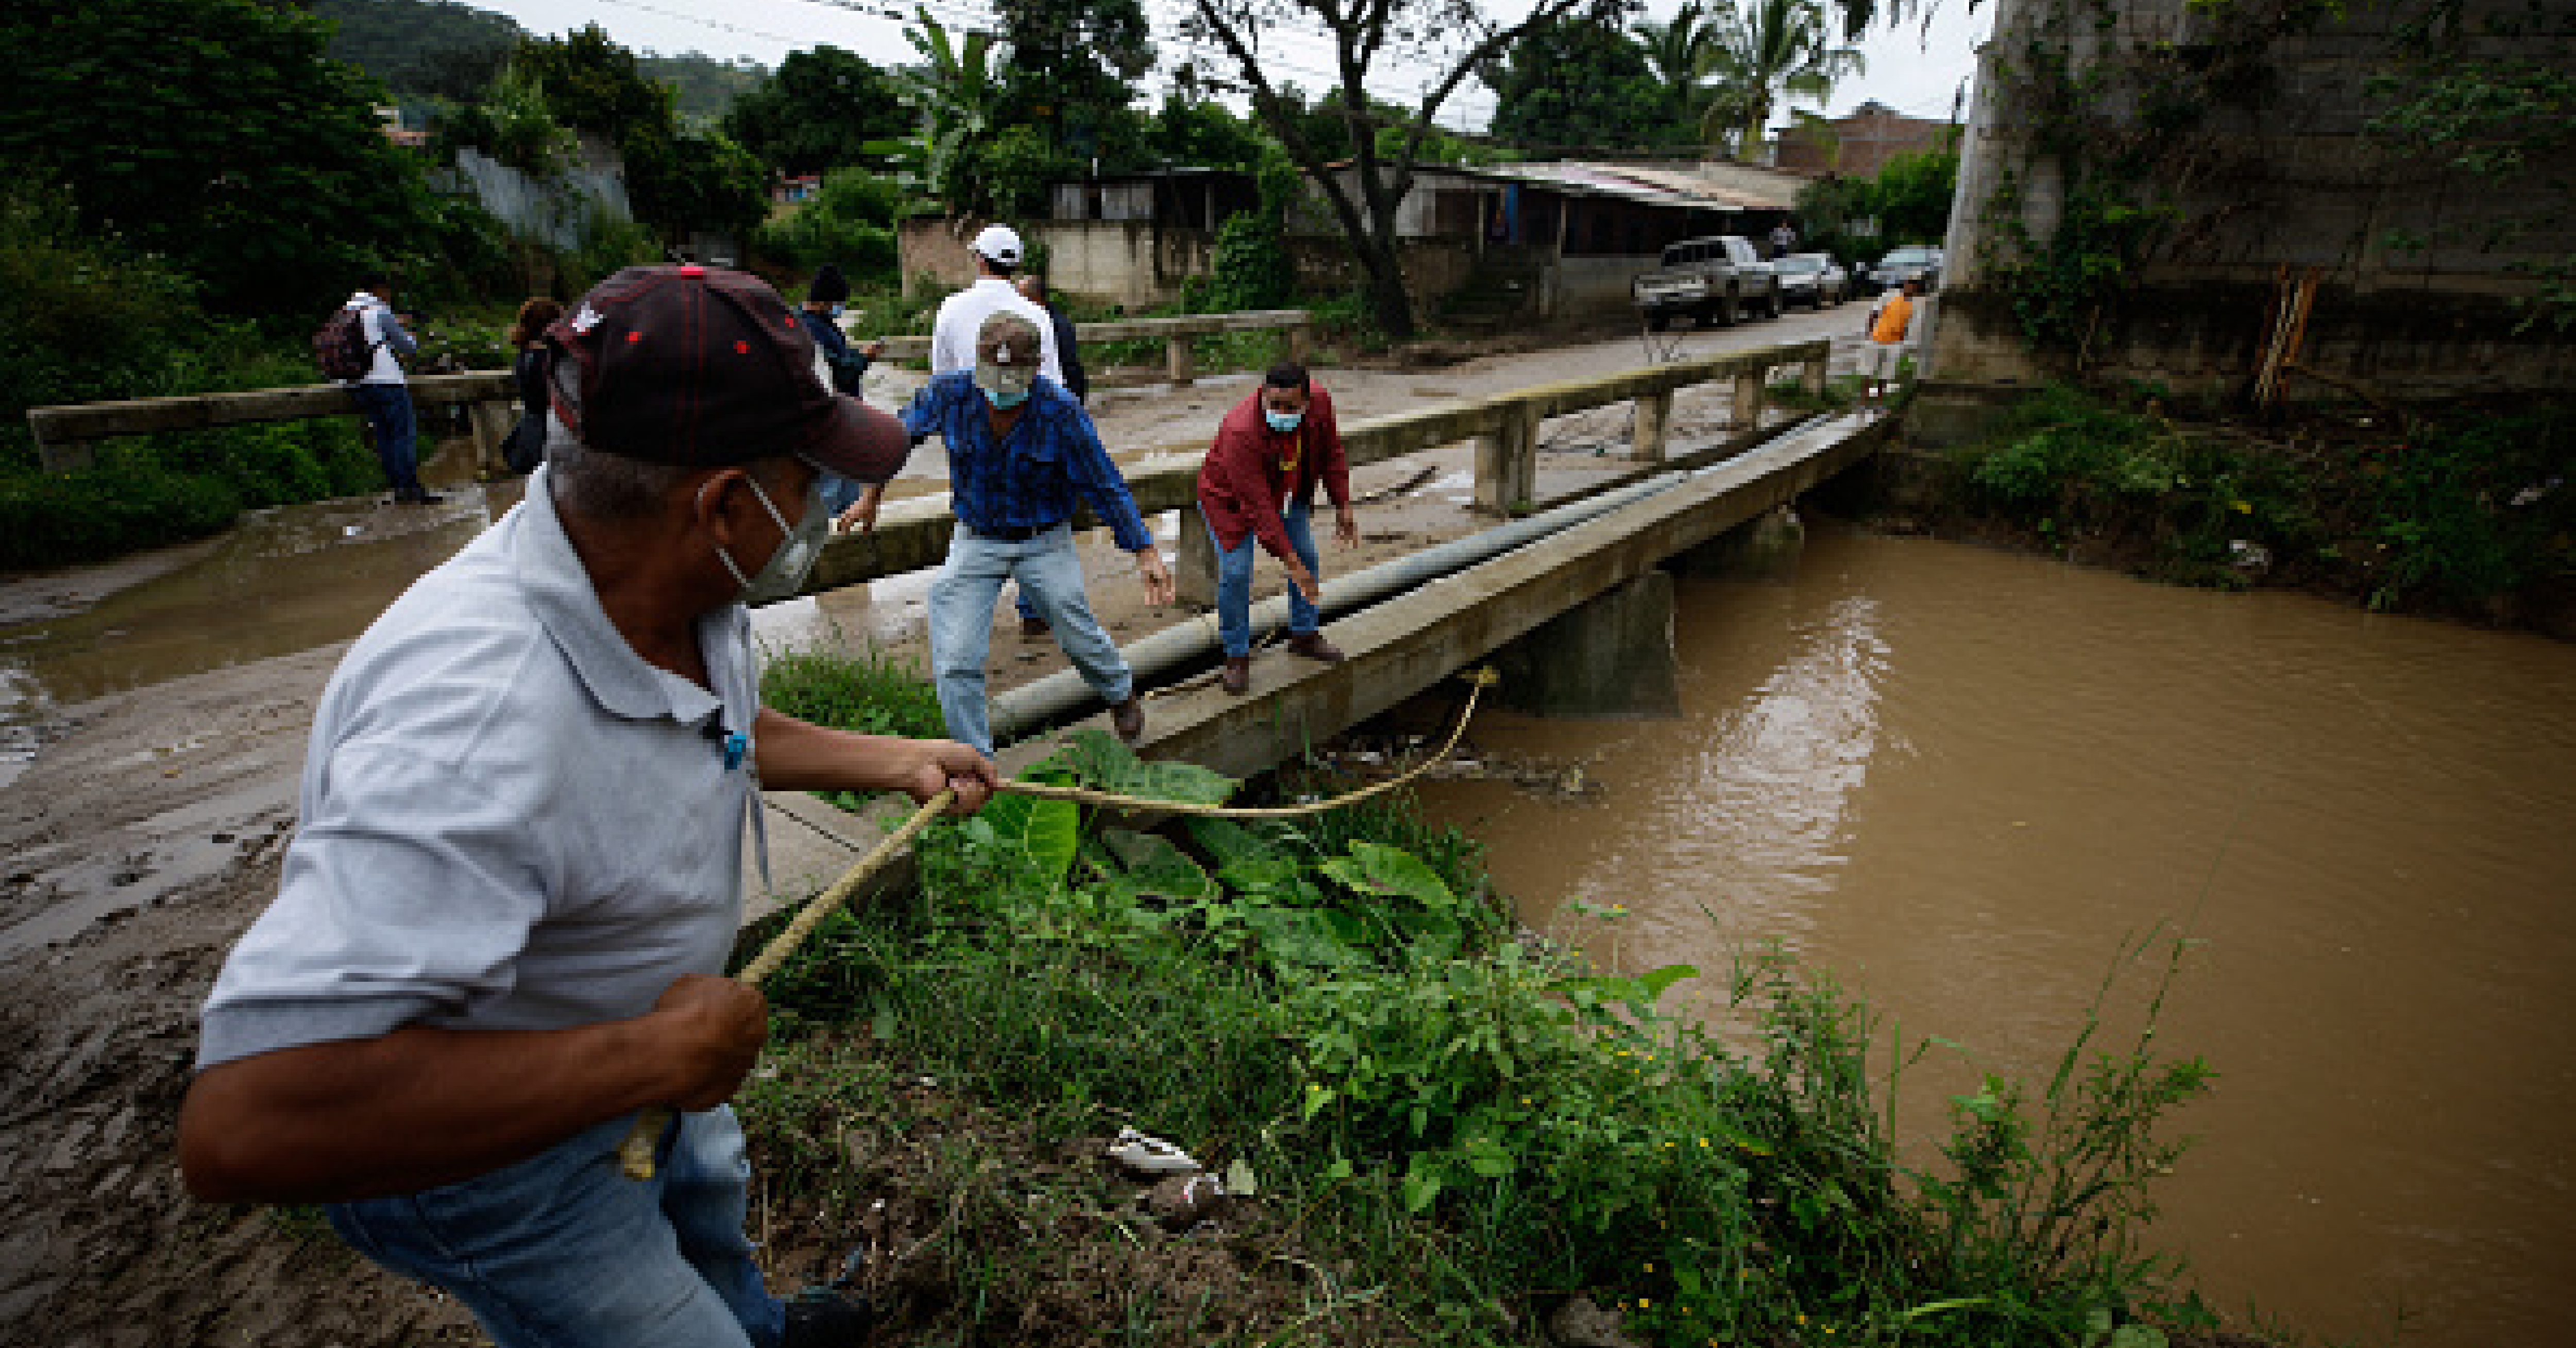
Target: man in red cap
501, 929
1258, 482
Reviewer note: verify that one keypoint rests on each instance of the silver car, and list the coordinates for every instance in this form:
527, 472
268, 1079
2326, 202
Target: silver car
1812, 279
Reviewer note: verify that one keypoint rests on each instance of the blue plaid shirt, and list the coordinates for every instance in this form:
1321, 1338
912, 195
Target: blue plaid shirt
1028, 478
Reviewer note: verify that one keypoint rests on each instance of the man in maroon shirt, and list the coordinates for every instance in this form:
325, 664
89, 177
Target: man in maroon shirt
1259, 482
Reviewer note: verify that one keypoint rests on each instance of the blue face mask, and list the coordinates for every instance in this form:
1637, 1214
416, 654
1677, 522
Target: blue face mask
839, 309
1282, 422
1005, 401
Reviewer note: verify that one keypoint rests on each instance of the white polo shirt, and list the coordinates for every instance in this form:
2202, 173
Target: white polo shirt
509, 821
962, 315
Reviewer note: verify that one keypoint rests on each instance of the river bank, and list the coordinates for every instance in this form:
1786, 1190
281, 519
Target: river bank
2461, 512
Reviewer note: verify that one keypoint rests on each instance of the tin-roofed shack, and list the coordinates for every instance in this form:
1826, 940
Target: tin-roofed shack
1479, 246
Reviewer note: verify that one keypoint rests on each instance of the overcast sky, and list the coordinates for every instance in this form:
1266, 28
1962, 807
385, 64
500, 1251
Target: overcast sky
1915, 69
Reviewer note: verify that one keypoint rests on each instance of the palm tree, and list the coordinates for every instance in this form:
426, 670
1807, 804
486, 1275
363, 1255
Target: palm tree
1677, 52
1758, 57
955, 89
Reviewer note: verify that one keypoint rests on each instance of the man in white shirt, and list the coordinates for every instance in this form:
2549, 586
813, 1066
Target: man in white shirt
952, 337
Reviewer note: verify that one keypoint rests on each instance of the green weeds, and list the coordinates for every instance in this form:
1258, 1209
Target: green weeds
2444, 513
1453, 1127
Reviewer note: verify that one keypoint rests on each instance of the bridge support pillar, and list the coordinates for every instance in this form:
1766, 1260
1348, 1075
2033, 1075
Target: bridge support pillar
1609, 657
1194, 569
1176, 360
1507, 465
1766, 547
1654, 427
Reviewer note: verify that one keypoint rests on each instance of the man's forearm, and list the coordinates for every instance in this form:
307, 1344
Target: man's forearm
796, 755
417, 1108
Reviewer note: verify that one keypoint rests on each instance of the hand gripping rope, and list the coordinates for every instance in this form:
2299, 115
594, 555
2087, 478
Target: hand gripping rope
635, 1154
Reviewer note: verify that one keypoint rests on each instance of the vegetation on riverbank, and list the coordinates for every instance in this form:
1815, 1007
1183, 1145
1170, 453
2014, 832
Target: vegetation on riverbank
2461, 511
1453, 1127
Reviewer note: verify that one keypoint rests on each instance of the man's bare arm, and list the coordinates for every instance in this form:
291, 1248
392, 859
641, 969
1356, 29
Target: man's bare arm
425, 1106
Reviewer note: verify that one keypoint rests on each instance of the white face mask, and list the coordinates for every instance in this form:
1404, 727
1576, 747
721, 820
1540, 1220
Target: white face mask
784, 574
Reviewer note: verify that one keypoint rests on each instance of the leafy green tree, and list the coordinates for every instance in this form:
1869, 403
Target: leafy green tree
1676, 53
1203, 134
215, 133
1913, 193
679, 181
822, 110
850, 222
1763, 55
424, 50
1451, 39
1581, 83
1073, 69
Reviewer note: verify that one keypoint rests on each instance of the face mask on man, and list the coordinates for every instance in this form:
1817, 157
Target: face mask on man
838, 310
1005, 399
784, 574
1283, 422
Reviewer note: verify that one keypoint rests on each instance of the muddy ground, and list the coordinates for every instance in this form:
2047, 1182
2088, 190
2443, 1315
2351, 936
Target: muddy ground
146, 831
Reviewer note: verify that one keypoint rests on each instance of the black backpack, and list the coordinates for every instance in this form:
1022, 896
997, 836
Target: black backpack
341, 348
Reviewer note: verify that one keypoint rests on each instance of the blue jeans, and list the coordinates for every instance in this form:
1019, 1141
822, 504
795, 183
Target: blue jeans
563, 1251
388, 411
1234, 583
961, 622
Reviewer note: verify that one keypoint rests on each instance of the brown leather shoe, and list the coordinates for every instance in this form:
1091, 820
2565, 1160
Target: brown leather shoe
1313, 646
1128, 718
1237, 678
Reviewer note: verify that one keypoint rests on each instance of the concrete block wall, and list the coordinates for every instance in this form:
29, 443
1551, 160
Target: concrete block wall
2291, 177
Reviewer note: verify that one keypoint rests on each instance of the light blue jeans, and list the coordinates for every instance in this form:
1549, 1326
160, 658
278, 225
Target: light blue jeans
563, 1251
1234, 583
961, 622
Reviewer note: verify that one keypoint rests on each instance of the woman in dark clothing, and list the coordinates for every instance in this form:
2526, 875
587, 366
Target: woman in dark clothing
526, 446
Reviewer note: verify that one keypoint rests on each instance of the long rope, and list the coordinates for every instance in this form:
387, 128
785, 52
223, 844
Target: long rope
635, 1154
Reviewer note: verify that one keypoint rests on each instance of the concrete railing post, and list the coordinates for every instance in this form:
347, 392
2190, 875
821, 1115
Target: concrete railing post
1815, 374
1301, 340
1507, 463
1747, 412
1654, 427
1194, 569
1176, 359
490, 423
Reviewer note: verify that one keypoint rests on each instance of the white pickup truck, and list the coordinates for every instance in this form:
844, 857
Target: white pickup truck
1715, 280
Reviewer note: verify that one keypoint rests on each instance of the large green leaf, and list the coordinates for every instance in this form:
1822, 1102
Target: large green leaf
1098, 760
1375, 868
1149, 864
1246, 861
1040, 836
1298, 936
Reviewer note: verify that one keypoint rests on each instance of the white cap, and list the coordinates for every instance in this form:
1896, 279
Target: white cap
1000, 243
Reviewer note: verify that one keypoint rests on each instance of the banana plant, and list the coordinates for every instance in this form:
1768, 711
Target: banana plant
955, 91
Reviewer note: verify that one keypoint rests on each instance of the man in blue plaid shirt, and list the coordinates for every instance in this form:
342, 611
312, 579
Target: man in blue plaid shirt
1019, 451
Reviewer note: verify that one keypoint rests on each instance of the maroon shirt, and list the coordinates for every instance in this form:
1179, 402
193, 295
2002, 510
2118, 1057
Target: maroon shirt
1251, 471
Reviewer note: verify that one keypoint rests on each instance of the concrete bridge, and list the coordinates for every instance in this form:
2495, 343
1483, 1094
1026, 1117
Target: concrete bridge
1574, 600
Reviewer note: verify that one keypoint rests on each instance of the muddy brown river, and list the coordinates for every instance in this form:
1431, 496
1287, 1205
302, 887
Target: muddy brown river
1960, 780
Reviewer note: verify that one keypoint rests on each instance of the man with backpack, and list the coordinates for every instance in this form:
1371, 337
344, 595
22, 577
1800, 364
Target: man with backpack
362, 347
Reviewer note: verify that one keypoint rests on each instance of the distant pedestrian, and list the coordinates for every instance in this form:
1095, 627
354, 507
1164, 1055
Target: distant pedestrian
1258, 482
844, 368
1784, 240
1068, 353
1890, 323
1020, 450
383, 394
526, 446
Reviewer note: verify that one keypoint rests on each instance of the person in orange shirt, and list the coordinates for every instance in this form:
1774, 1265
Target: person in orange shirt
1888, 326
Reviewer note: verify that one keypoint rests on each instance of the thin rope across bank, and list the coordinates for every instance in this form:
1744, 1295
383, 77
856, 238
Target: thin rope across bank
635, 1154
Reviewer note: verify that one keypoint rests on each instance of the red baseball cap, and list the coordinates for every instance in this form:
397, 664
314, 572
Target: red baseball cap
707, 367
